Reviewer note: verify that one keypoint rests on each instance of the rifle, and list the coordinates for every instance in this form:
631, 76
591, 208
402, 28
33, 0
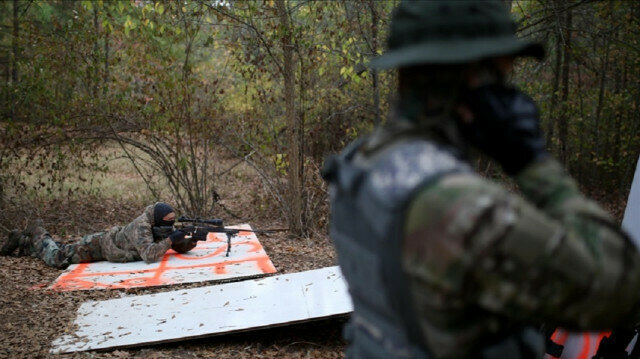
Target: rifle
199, 229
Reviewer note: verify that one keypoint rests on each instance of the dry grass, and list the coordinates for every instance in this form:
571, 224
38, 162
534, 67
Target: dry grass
119, 181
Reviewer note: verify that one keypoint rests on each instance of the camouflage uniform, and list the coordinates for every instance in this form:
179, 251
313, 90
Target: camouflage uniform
442, 263
132, 242
482, 260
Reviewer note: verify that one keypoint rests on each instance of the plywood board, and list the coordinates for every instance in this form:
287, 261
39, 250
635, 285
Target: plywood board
206, 262
206, 311
631, 221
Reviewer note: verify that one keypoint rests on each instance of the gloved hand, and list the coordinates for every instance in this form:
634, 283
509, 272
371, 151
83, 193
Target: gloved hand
177, 235
183, 245
504, 123
161, 232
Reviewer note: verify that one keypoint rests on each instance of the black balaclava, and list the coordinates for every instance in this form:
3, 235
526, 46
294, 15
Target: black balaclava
160, 210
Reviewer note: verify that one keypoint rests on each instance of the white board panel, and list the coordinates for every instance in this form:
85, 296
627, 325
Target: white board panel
205, 311
631, 221
206, 262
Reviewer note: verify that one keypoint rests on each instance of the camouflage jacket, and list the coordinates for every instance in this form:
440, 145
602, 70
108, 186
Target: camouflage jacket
482, 260
134, 241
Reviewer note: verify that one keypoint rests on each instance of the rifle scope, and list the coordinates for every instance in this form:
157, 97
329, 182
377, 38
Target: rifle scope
214, 222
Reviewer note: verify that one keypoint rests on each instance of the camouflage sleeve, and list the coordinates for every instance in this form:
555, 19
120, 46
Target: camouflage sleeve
113, 253
556, 258
149, 250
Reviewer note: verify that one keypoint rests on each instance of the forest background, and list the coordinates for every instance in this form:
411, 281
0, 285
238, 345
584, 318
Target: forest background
186, 93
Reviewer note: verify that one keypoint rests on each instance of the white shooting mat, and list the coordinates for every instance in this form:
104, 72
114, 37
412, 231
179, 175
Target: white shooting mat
217, 309
206, 262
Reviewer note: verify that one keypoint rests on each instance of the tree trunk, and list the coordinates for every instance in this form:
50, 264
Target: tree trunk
554, 94
105, 76
374, 72
293, 126
563, 120
579, 168
618, 85
96, 27
603, 75
14, 60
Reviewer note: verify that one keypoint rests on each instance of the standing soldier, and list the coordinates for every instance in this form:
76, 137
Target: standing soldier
147, 238
441, 262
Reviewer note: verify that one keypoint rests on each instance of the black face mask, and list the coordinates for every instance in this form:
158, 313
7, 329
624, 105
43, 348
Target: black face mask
160, 210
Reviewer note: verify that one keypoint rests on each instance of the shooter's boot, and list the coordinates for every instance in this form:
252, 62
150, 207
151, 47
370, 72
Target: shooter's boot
9, 244
34, 229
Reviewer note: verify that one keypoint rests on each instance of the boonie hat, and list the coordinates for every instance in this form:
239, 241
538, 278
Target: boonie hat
451, 32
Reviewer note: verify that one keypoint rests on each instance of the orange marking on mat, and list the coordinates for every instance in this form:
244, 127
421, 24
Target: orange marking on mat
167, 267
265, 265
215, 253
586, 347
213, 237
156, 279
562, 336
225, 263
77, 283
221, 269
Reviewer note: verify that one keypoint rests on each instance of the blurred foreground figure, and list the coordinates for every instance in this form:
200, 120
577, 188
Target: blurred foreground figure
142, 239
443, 263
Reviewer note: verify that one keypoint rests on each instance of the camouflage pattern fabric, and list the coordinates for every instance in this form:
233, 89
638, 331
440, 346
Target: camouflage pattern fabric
482, 260
132, 242
61, 255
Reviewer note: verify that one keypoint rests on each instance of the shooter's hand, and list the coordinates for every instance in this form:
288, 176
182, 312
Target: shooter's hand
177, 235
183, 245
504, 123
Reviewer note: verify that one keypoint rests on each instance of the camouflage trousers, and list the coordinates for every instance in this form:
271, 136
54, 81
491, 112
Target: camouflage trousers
61, 255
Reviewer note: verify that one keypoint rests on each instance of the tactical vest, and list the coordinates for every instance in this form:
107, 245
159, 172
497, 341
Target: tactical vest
369, 199
368, 203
